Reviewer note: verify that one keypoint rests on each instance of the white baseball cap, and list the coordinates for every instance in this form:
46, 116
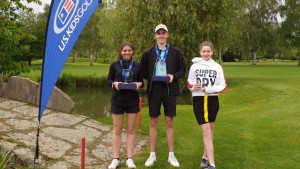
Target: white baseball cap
161, 26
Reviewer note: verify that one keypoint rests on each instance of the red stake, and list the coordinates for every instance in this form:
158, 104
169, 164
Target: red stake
140, 105
82, 152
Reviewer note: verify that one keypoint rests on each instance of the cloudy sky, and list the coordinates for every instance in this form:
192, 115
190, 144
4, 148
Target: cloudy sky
37, 8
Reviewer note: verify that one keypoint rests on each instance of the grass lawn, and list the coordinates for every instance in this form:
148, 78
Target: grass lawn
80, 68
257, 126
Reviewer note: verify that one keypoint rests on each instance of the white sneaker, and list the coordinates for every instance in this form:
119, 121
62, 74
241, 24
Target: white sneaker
173, 161
130, 163
114, 164
150, 161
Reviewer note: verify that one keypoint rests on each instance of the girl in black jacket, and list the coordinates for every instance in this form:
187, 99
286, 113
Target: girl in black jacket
126, 100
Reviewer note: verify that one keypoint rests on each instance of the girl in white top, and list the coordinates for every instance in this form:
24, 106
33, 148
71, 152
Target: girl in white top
206, 80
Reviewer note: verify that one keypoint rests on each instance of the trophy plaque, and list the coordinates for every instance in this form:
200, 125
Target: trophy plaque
161, 78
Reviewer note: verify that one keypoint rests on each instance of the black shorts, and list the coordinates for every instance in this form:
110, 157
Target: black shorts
121, 109
159, 94
200, 112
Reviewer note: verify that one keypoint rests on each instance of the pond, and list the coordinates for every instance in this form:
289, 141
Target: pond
95, 102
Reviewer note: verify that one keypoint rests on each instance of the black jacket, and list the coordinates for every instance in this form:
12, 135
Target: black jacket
124, 97
175, 66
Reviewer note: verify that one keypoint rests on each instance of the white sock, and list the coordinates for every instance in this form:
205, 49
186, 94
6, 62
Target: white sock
205, 158
171, 154
212, 164
152, 154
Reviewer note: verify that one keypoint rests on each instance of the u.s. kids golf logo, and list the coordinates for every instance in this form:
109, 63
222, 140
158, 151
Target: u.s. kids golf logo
67, 17
65, 11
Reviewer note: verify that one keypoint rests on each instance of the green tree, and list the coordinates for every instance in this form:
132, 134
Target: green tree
290, 27
13, 39
28, 19
246, 27
89, 38
189, 23
259, 17
37, 27
110, 28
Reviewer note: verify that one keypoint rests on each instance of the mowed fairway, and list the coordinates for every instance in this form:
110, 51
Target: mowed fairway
80, 68
257, 126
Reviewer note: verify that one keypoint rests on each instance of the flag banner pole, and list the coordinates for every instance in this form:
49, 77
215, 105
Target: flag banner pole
36, 156
66, 20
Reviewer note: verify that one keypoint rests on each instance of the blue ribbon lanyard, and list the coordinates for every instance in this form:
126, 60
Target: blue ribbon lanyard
123, 70
160, 57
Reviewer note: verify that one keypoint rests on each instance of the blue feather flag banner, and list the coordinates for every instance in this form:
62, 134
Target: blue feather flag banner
67, 18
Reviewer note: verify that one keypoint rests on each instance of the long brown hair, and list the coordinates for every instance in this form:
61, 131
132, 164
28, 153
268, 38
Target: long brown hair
122, 46
206, 43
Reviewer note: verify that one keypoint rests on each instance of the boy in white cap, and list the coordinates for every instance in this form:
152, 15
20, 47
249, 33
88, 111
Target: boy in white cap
162, 60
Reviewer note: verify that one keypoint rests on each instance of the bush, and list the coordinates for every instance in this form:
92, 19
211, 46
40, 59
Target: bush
68, 80
292, 57
228, 57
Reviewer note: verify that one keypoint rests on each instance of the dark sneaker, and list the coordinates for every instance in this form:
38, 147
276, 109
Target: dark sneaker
210, 167
204, 163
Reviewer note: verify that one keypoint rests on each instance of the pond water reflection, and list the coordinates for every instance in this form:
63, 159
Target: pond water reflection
95, 102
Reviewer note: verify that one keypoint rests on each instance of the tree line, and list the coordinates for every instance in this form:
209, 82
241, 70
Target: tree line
246, 29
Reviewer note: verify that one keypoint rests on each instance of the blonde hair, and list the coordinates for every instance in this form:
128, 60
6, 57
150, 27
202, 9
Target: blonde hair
206, 43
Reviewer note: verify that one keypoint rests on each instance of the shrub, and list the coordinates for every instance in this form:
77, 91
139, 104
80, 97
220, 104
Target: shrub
228, 57
68, 80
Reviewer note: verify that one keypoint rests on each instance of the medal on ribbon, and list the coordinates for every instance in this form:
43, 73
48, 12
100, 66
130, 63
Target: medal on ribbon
126, 73
161, 63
